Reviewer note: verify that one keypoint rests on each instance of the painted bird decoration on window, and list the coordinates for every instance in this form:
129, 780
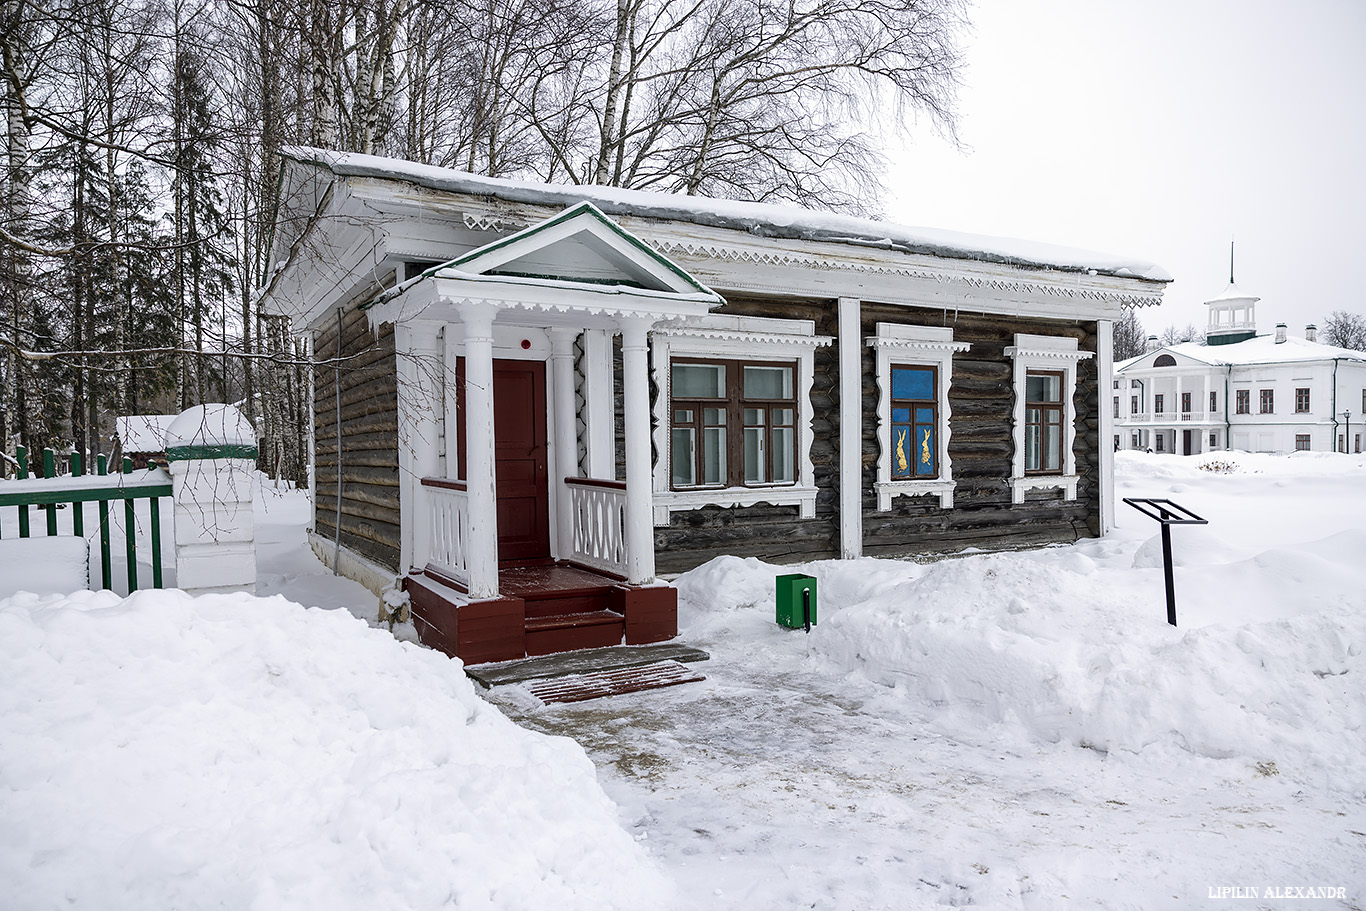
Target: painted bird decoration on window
901, 464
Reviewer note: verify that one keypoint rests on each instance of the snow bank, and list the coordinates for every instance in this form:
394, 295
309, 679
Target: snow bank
1070, 644
228, 751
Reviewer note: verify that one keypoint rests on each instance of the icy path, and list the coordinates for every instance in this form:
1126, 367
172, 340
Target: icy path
781, 788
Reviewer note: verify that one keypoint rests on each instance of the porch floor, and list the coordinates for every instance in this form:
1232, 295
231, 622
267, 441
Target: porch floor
524, 581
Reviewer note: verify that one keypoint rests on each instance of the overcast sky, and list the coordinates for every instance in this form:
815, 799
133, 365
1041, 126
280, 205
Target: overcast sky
1159, 130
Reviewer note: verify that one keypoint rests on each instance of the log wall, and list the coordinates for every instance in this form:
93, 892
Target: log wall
369, 439
981, 446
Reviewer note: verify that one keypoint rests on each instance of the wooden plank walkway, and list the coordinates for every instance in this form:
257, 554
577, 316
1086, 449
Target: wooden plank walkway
582, 687
586, 661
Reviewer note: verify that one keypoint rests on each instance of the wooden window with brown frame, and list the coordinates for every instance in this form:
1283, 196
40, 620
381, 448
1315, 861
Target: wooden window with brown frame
732, 423
1044, 412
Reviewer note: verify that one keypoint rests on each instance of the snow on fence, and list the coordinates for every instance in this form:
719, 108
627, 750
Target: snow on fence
48, 493
211, 450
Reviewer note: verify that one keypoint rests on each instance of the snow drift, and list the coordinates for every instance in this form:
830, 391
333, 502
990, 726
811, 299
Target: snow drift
229, 751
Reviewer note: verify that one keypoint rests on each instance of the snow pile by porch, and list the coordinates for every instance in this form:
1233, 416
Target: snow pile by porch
1071, 644
164, 751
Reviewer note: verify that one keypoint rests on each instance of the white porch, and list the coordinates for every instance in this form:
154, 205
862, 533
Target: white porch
552, 298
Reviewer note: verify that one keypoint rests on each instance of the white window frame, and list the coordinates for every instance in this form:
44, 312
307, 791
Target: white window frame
1052, 353
913, 346
740, 338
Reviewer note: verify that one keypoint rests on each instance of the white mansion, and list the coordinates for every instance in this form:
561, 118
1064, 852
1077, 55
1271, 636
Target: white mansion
1241, 390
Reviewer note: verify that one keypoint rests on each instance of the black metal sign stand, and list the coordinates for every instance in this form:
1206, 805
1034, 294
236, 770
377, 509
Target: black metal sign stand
1169, 514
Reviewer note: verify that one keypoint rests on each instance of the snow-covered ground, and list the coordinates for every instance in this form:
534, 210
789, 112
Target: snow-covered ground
1025, 730
997, 731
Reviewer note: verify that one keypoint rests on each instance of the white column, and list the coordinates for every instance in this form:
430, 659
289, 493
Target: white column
452, 338
851, 429
1105, 355
640, 542
566, 435
599, 404
479, 452
419, 406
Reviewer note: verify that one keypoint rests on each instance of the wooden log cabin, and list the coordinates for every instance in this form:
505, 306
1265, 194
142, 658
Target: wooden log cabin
532, 401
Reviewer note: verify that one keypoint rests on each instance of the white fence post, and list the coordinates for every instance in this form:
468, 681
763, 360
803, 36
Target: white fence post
212, 454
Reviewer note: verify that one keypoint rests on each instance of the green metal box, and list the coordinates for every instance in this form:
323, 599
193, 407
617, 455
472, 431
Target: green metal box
790, 607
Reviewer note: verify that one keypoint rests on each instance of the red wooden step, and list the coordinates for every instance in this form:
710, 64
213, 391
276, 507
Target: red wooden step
581, 687
569, 632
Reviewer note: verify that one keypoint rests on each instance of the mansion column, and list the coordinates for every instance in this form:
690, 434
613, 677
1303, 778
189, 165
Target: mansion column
482, 559
640, 541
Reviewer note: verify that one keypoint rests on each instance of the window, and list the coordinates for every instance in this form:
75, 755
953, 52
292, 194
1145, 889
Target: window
1161, 441
1213, 402
1164, 360
1268, 401
1116, 406
1342, 442
1243, 404
1115, 385
1186, 405
733, 414
1358, 442
1213, 439
734, 424
1301, 442
1045, 378
1043, 423
1133, 441
914, 371
915, 422
1301, 401
1133, 404
1157, 404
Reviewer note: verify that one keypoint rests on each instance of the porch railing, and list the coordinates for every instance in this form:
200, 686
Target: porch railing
599, 531
77, 489
450, 527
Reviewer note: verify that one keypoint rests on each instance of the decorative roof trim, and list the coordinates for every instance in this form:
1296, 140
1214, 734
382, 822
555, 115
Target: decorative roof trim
787, 258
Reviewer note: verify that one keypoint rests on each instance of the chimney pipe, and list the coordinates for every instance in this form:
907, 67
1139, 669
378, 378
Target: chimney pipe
1151, 345
1311, 333
1280, 333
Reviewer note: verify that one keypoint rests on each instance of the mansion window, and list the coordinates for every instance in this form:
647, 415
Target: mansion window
1301, 401
1301, 442
734, 424
1213, 402
1268, 401
1043, 423
1185, 403
1244, 401
1157, 404
1213, 439
1133, 404
1116, 406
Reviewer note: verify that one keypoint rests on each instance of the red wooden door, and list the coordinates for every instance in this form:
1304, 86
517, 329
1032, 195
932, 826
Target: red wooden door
519, 429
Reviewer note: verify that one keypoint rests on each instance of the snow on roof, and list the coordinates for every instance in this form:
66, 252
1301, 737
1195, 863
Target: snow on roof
1232, 293
1260, 350
143, 432
762, 219
210, 425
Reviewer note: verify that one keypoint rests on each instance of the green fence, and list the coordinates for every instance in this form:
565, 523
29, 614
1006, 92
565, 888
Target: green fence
47, 492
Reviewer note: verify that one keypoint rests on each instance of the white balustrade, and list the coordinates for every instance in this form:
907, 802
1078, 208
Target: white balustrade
450, 527
599, 533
